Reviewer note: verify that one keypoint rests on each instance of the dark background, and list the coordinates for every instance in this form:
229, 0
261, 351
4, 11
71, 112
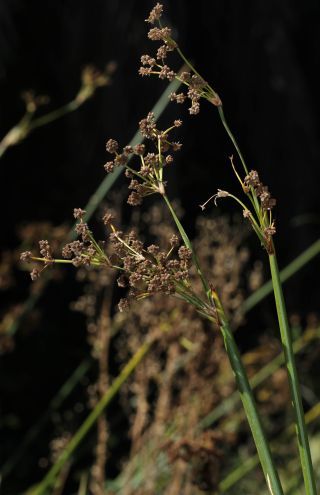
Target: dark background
261, 57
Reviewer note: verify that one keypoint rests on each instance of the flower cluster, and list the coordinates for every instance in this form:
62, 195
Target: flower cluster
157, 65
91, 79
83, 252
150, 270
262, 192
253, 183
261, 217
148, 179
144, 271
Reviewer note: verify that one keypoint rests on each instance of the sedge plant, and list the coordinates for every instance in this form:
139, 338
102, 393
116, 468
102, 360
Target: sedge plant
146, 270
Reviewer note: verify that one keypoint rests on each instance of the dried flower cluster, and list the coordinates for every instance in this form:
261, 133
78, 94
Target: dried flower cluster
197, 87
260, 215
148, 179
262, 192
253, 185
85, 251
91, 79
145, 271
148, 271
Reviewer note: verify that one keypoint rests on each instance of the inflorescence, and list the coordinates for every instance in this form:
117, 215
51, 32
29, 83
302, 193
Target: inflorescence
149, 270
197, 87
260, 212
144, 270
148, 179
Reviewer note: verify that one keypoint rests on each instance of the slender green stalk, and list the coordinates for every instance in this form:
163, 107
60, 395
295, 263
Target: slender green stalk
249, 404
187, 242
231, 136
50, 477
303, 442
54, 115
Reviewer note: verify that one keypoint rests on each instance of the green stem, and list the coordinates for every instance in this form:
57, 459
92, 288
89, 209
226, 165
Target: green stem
235, 144
303, 442
249, 404
50, 477
187, 243
54, 115
231, 136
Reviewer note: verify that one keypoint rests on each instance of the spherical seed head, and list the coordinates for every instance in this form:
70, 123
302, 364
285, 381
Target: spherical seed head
108, 218
109, 167
45, 249
195, 108
26, 256
167, 73
139, 149
123, 305
145, 71
127, 150
147, 60
157, 34
35, 274
147, 126
78, 213
112, 146
184, 253
134, 199
155, 13
174, 240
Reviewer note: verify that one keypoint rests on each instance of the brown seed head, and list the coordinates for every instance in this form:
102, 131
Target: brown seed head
112, 146
155, 13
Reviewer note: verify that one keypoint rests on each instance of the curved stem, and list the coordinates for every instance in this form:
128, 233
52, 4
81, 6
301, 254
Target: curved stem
286, 339
248, 402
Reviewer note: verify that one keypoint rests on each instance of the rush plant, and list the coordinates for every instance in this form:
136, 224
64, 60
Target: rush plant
146, 270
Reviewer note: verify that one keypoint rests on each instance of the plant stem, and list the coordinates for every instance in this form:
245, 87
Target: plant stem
231, 136
50, 477
54, 115
249, 404
187, 243
303, 442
